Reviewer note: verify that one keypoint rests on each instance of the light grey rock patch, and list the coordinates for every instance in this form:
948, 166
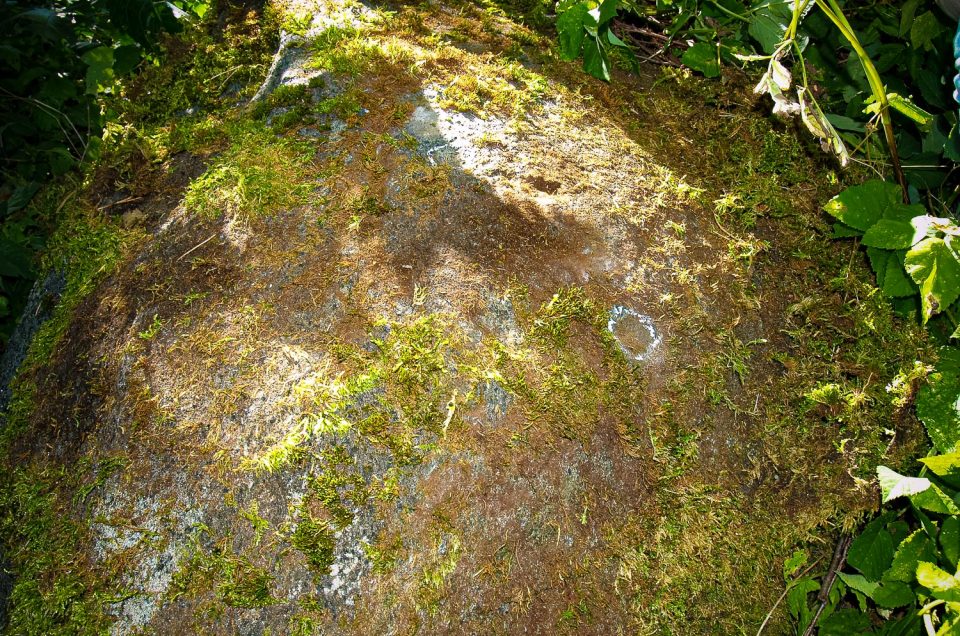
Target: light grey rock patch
453, 137
157, 561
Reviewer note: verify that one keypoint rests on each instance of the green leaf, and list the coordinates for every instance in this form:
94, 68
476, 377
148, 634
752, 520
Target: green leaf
797, 599
702, 57
570, 29
938, 402
608, 11
906, 107
943, 465
99, 69
934, 265
842, 122
863, 205
892, 279
924, 30
941, 584
893, 484
894, 594
935, 500
126, 58
859, 583
907, 13
950, 540
21, 196
15, 259
842, 230
769, 23
595, 61
951, 147
844, 622
872, 552
796, 561
915, 548
950, 626
907, 625
894, 235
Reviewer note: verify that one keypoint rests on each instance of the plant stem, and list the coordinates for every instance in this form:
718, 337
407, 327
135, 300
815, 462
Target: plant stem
951, 317
730, 13
833, 12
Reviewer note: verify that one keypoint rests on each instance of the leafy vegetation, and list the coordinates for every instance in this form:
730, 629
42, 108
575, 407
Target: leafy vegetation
59, 60
901, 573
912, 252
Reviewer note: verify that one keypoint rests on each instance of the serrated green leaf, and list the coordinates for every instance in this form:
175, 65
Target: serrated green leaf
892, 278
934, 265
899, 530
859, 583
570, 29
608, 11
842, 230
894, 594
769, 23
950, 540
938, 402
595, 60
702, 57
893, 484
99, 69
797, 598
911, 551
941, 584
907, 14
872, 552
893, 235
947, 465
924, 30
935, 500
794, 563
903, 212
907, 625
951, 146
929, 526
844, 622
863, 205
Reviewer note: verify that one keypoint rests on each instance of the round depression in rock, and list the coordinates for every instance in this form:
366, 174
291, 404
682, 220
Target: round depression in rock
634, 332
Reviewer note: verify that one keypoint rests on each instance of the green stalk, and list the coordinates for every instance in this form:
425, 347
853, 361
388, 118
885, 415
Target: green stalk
730, 13
835, 14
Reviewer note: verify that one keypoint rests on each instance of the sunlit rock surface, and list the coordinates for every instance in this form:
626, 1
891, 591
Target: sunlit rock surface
523, 360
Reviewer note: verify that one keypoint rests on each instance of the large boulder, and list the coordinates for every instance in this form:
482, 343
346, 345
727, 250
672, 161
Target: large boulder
438, 335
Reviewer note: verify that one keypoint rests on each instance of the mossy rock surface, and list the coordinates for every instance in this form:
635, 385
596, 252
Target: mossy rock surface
354, 372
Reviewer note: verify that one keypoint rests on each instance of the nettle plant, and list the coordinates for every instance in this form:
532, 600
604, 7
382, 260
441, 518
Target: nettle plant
912, 252
901, 575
